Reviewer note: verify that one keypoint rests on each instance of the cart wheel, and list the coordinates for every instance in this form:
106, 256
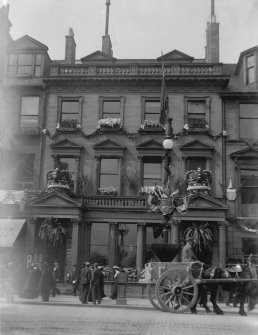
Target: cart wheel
176, 291
152, 297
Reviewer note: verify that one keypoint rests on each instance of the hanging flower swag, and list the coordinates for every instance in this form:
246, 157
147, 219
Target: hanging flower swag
52, 232
248, 226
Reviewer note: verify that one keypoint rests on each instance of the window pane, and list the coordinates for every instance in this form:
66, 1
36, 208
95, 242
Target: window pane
25, 59
196, 107
249, 193
38, 59
12, 59
109, 166
152, 107
70, 107
108, 180
37, 71
152, 173
248, 111
30, 106
250, 61
248, 128
29, 121
111, 109
250, 75
194, 163
99, 243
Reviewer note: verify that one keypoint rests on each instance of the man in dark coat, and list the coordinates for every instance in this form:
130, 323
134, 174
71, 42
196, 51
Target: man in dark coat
45, 282
55, 279
96, 284
188, 254
85, 279
74, 279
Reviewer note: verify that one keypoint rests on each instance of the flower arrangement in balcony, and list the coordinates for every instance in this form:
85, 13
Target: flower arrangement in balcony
110, 124
151, 126
107, 190
196, 124
59, 179
199, 181
68, 125
152, 190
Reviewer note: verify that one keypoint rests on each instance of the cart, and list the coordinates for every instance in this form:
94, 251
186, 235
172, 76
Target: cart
173, 286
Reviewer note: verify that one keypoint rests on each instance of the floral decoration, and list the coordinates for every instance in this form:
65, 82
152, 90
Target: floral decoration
150, 124
60, 177
107, 190
199, 177
68, 123
196, 124
109, 123
156, 190
52, 232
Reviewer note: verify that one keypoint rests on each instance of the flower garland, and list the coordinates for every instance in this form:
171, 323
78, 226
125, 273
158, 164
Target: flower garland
110, 123
108, 190
245, 226
149, 124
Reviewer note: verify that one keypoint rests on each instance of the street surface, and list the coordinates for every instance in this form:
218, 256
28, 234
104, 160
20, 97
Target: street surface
64, 315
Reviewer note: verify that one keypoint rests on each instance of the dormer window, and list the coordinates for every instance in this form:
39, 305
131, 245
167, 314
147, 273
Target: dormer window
250, 73
25, 65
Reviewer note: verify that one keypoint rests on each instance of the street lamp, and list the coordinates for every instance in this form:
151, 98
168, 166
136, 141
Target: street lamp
167, 145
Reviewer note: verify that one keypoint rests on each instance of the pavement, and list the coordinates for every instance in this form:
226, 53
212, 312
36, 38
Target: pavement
132, 303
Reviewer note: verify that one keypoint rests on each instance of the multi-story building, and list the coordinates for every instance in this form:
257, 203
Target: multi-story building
51, 114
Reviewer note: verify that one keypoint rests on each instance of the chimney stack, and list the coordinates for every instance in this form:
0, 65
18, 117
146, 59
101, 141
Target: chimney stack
70, 47
106, 41
212, 38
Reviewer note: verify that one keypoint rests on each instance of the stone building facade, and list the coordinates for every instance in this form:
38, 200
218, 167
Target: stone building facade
50, 111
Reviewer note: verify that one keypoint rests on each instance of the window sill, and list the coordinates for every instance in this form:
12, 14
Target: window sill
28, 131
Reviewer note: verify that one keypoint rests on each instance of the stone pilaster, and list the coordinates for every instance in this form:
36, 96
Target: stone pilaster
175, 235
30, 236
222, 244
112, 244
75, 241
77, 166
86, 239
140, 246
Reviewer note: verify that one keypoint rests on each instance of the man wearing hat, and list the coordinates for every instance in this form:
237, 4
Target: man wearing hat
95, 282
85, 283
188, 254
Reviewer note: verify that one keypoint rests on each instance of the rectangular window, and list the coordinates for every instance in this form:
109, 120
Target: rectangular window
109, 172
67, 163
152, 110
24, 171
29, 112
12, 60
249, 192
69, 110
25, 64
99, 243
193, 163
111, 109
248, 121
196, 114
250, 73
152, 172
37, 70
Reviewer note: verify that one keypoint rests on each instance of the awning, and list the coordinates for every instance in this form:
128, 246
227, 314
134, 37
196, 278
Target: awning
9, 231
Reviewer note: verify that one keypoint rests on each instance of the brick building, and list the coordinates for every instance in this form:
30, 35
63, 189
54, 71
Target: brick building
50, 111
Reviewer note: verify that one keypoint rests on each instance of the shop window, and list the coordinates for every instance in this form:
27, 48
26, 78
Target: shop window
99, 243
127, 237
248, 121
250, 70
109, 172
29, 112
249, 193
152, 172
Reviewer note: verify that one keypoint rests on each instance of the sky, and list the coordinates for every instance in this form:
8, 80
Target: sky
138, 28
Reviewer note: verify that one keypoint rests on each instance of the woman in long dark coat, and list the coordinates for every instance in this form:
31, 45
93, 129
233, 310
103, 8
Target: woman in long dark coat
45, 282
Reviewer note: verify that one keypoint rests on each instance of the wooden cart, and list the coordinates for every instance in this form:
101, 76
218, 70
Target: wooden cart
173, 287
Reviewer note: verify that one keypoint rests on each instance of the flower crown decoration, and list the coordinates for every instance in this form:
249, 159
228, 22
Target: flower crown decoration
110, 123
57, 176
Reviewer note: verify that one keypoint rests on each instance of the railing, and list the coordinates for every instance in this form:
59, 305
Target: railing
135, 70
115, 202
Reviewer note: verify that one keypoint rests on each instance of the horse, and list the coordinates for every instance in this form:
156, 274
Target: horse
244, 289
204, 271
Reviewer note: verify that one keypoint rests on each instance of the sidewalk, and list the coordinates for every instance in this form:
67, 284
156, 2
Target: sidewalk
69, 300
